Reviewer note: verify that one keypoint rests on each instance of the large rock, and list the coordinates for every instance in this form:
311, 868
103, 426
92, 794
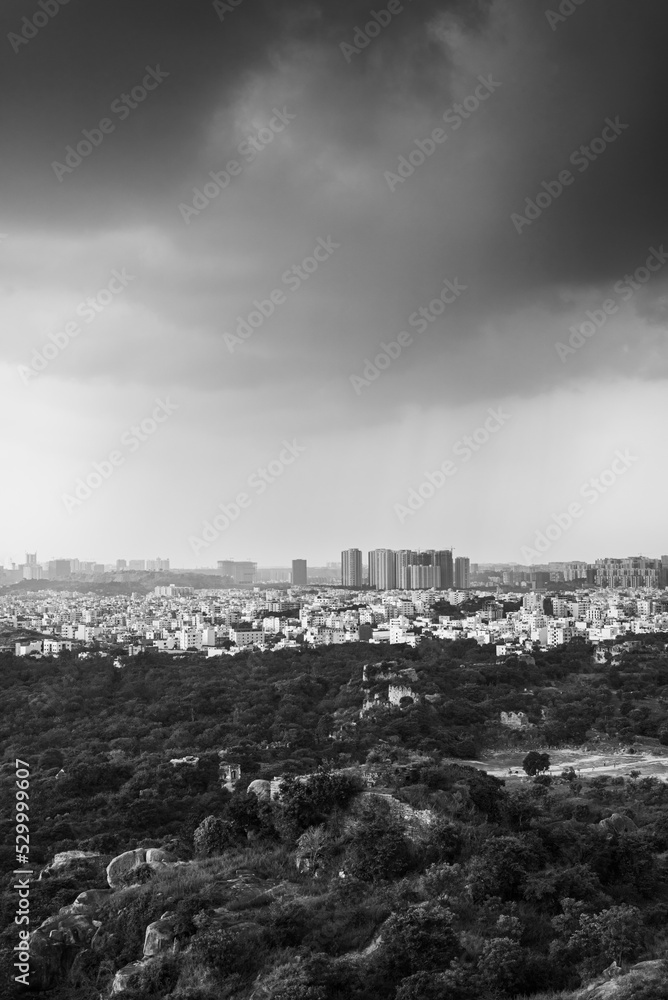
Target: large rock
120, 866
618, 823
70, 861
626, 987
160, 936
128, 977
56, 943
260, 788
91, 899
154, 854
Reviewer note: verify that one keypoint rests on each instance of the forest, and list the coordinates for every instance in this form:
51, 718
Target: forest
385, 867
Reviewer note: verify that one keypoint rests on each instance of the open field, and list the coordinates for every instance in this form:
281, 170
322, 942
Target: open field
587, 763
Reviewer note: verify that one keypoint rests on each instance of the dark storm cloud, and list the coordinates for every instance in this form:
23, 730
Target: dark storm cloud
65, 78
606, 60
325, 176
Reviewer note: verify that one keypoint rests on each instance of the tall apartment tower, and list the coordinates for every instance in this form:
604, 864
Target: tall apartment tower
462, 572
403, 560
299, 573
31, 558
443, 559
382, 573
351, 568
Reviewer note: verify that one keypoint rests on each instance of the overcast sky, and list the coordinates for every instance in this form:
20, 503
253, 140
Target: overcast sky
313, 125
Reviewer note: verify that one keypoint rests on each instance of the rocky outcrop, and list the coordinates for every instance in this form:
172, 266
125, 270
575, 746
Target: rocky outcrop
629, 985
127, 977
618, 823
123, 864
160, 936
70, 861
260, 788
245, 890
56, 942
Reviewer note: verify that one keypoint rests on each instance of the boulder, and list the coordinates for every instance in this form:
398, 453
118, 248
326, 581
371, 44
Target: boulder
618, 823
157, 854
127, 977
160, 936
119, 866
260, 788
69, 861
56, 943
123, 864
91, 899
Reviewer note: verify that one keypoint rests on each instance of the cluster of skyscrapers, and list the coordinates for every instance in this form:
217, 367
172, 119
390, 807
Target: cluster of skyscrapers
405, 569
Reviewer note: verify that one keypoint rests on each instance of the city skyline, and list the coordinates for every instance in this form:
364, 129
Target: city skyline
385, 569
266, 289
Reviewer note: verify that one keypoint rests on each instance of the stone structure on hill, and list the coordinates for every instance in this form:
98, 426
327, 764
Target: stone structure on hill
397, 692
515, 720
229, 772
398, 686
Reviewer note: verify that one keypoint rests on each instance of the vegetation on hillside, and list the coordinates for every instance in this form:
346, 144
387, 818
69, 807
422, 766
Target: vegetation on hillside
393, 871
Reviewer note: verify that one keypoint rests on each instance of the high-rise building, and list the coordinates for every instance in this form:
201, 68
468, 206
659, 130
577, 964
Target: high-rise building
137, 564
422, 576
443, 559
31, 558
351, 568
382, 570
462, 573
629, 574
121, 565
299, 573
403, 558
239, 573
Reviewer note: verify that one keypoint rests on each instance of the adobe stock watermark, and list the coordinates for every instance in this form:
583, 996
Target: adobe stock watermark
88, 310
465, 448
293, 279
223, 7
121, 106
131, 441
582, 158
420, 319
31, 26
22, 884
625, 289
592, 491
259, 481
564, 11
454, 116
248, 148
363, 36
